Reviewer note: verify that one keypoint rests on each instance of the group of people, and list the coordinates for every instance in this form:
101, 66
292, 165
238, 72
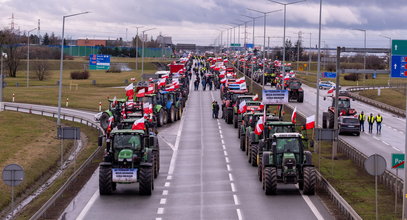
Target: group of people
206, 81
371, 119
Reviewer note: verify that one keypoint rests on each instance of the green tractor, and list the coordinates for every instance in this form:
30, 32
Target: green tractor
129, 158
285, 161
251, 105
115, 109
159, 114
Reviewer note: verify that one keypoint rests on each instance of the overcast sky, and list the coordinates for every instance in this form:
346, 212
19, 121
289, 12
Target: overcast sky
201, 21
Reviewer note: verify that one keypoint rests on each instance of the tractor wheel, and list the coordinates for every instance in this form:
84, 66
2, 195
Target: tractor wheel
180, 113
253, 154
247, 142
300, 97
235, 121
160, 118
229, 116
242, 142
260, 170
172, 114
325, 120
165, 114
156, 163
270, 180
105, 180
146, 180
310, 180
331, 120
104, 120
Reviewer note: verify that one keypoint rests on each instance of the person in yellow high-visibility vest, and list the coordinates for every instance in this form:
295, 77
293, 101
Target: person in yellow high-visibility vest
362, 119
370, 121
379, 120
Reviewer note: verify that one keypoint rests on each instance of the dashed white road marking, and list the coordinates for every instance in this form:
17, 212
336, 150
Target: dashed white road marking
165, 192
230, 177
163, 201
228, 167
223, 142
376, 138
396, 149
223, 147
384, 142
235, 199
225, 153
232, 185
221, 136
239, 214
160, 211
158, 219
227, 159
169, 177
167, 184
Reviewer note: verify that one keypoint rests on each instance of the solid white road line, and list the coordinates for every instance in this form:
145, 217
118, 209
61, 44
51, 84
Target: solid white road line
312, 207
239, 214
88, 206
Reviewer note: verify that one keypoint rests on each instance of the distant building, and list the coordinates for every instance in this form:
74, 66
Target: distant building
91, 43
164, 41
186, 47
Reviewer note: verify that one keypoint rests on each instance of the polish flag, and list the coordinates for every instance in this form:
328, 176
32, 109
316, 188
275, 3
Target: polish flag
310, 122
138, 124
175, 83
331, 90
241, 80
256, 97
261, 105
114, 101
141, 93
222, 74
170, 89
111, 119
259, 126
243, 86
242, 107
224, 80
146, 108
294, 115
150, 89
161, 82
165, 76
130, 91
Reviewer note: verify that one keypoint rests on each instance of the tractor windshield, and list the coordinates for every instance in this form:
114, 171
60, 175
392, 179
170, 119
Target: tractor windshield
291, 145
344, 103
132, 141
295, 85
280, 129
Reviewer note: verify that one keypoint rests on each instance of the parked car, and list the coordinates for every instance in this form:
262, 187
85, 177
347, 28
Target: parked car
326, 85
349, 124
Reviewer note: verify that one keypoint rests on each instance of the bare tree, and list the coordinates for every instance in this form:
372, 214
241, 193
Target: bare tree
10, 40
41, 70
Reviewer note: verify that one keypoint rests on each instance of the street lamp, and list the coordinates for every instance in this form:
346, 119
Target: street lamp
28, 56
285, 9
254, 20
245, 31
142, 54
62, 65
264, 38
1, 76
364, 58
137, 46
389, 38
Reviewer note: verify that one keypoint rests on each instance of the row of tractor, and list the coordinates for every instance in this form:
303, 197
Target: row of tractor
276, 147
132, 153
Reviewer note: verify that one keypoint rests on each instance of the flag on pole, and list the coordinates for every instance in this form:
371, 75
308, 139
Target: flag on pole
150, 89
256, 97
242, 107
331, 90
130, 91
146, 108
294, 115
310, 122
259, 126
141, 93
138, 124
161, 82
170, 89
241, 80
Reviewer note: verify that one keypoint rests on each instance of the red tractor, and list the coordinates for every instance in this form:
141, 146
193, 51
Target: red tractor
344, 109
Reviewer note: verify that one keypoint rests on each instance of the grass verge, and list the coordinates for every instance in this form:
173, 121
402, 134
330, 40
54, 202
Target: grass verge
393, 97
356, 186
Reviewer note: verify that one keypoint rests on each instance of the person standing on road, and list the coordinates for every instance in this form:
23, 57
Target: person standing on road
196, 84
362, 118
213, 108
370, 120
204, 83
210, 83
216, 109
379, 120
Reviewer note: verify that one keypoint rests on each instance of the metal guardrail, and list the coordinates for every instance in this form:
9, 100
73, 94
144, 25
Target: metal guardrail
72, 179
343, 206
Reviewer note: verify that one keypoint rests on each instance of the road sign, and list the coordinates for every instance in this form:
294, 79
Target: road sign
329, 74
375, 165
399, 47
99, 62
235, 45
397, 161
249, 45
13, 175
398, 66
275, 96
73, 133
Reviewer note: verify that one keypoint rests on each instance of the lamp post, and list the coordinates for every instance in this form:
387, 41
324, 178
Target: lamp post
264, 37
389, 38
285, 9
364, 58
62, 65
1, 76
254, 20
28, 56
245, 32
317, 83
142, 53
137, 37
238, 32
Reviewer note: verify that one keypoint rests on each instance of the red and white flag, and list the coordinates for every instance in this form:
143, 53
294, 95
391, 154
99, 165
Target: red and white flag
310, 122
165, 76
175, 83
241, 80
222, 74
261, 106
114, 103
138, 124
256, 97
331, 90
111, 119
141, 93
150, 89
294, 115
146, 108
161, 82
224, 80
170, 89
242, 107
130, 91
259, 126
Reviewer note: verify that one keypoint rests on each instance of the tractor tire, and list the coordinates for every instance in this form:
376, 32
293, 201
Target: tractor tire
105, 181
270, 180
180, 112
260, 170
235, 120
331, 120
325, 120
146, 180
160, 118
310, 180
165, 114
300, 97
104, 120
172, 114
253, 154
247, 143
229, 116
156, 163
243, 142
